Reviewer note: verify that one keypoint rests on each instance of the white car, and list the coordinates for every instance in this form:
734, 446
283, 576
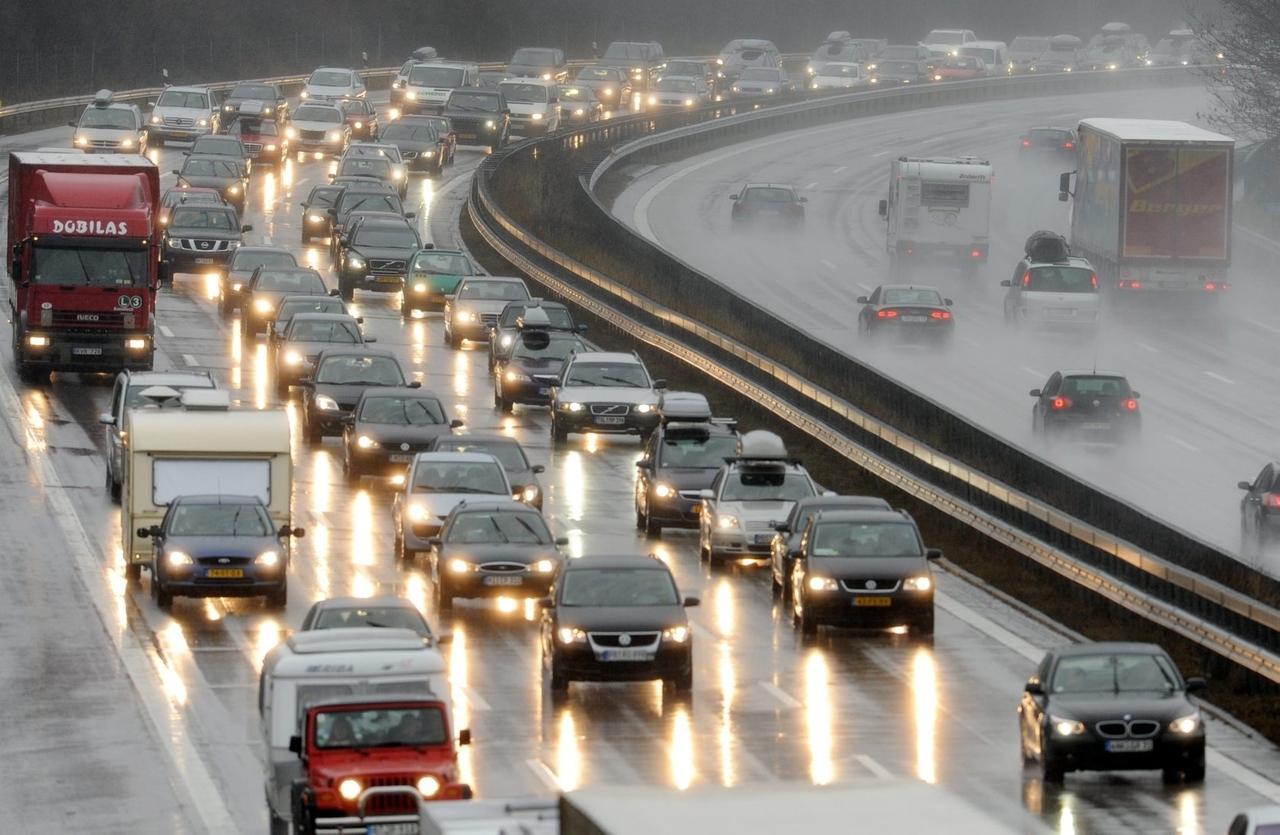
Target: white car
841, 75
753, 493
1260, 820
319, 128
435, 484
673, 92
184, 113
1059, 294
110, 127
332, 84
534, 104
944, 42
428, 85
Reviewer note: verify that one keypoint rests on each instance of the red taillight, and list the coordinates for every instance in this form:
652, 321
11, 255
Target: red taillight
975, 253
1026, 279
1271, 500
1130, 284
1060, 403
1210, 286
1131, 404
1026, 143
1093, 278
1068, 145
940, 314
886, 314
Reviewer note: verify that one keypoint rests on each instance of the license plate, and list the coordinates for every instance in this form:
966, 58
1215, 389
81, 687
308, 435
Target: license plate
610, 420
466, 136
1130, 746
626, 655
400, 459
880, 602
915, 319
406, 828
87, 352
225, 573
1174, 285
204, 260
504, 581
388, 279
1061, 313
1095, 426
544, 391
763, 538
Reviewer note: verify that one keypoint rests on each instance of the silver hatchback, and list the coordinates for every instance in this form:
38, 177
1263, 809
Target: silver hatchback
1059, 294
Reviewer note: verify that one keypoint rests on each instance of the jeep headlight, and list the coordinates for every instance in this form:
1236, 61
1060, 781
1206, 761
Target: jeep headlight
334, 136
466, 316
579, 112
126, 142
271, 147
348, 788
428, 786
82, 141
428, 154
315, 218
513, 376
410, 95
202, 123
291, 132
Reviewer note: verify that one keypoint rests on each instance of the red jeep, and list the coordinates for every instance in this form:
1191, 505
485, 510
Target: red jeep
370, 764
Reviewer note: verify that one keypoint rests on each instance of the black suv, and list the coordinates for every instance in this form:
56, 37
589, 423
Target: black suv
200, 239
479, 117
341, 377
375, 255
680, 460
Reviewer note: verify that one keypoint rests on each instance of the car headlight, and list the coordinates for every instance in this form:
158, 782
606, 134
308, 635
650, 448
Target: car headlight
397, 174
726, 521
420, 287
769, 91
267, 559
155, 120
126, 143
579, 112
418, 513
429, 154
537, 117
1063, 726
325, 403
267, 111
1186, 724
262, 305
917, 584
202, 123
348, 788
571, 407
490, 124
506, 340
176, 558
365, 442
571, 636
735, 88
293, 358
544, 566
688, 102
233, 189
428, 786
137, 343
529, 493
271, 147
315, 218
607, 91
359, 125
237, 287
334, 136
303, 94
678, 634
458, 566
823, 584
82, 141
466, 316
814, 85
513, 376
291, 133
355, 262
653, 100
410, 95
663, 491
644, 408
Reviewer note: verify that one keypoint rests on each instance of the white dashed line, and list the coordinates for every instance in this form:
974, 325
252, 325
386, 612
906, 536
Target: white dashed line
1032, 371
811, 186
474, 700
1220, 378
865, 289
190, 360
869, 763
1182, 443
881, 153
778, 693
827, 264
1265, 327
164, 331
545, 775
839, 169
1144, 346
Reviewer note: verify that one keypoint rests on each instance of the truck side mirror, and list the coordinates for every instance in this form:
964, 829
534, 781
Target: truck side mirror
295, 745
1064, 186
581, 328
538, 468
884, 208
464, 736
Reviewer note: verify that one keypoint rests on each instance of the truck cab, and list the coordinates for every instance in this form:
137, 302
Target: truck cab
938, 210
82, 253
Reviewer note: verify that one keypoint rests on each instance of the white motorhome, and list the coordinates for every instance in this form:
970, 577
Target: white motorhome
322, 665
938, 210
195, 442
994, 54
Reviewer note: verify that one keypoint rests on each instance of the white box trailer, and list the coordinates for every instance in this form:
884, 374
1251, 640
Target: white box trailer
199, 446
938, 211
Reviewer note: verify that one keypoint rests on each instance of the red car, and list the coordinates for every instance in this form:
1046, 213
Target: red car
960, 67
265, 141
362, 118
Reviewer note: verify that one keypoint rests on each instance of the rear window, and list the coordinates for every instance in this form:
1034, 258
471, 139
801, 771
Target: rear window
944, 195
770, 195
912, 295
1060, 280
1094, 386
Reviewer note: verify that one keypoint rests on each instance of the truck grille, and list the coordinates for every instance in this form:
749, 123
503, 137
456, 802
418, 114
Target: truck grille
202, 245
391, 803
384, 266
178, 122
88, 319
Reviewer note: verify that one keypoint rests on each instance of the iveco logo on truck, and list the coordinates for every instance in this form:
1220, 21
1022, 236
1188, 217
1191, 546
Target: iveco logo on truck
87, 317
90, 227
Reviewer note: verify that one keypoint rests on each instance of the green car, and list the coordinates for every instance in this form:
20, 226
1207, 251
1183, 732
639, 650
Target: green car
434, 274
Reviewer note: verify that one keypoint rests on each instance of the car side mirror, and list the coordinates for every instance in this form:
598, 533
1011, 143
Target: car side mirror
884, 208
347, 420
1034, 687
1136, 395
299, 533
1034, 392
691, 601
562, 541
581, 328
295, 745
143, 533
107, 419
443, 638
415, 384
1197, 684
335, 292
781, 527
410, 215
546, 603
948, 302
175, 172
804, 199
1244, 485
1006, 283
644, 465
863, 300
333, 213
464, 736
539, 468
733, 197
248, 227
305, 383
435, 542
659, 384
933, 554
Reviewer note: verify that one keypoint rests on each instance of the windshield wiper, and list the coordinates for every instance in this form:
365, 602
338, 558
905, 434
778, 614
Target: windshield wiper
461, 489
625, 382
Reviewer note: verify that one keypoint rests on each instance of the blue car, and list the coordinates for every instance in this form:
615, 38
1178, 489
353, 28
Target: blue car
219, 546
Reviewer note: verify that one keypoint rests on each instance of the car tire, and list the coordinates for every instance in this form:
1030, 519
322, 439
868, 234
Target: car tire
504, 405
352, 473
704, 553
345, 290
452, 339
133, 575
282, 388
315, 436
776, 586
156, 141
652, 527
114, 487
923, 625
1194, 773
804, 622
559, 434
279, 600
556, 683
162, 596
1051, 770
306, 239
681, 685
442, 594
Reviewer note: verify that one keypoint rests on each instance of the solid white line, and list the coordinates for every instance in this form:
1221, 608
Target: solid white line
545, 775
881, 153
1262, 325
839, 169
827, 264
1242, 774
1182, 443
190, 360
778, 693
164, 330
874, 767
864, 288
141, 665
811, 186
1220, 378
1144, 346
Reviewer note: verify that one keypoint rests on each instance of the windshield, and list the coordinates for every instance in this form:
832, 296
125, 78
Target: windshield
534, 57
251, 92
402, 411
366, 166
769, 195
254, 127
210, 168
89, 267
378, 152
459, 477
356, 369
178, 98
771, 485
509, 453
312, 330
369, 201
558, 317
761, 74
944, 36
1124, 673
690, 68
1063, 46
597, 74
195, 217
474, 102
912, 295
386, 236
134, 394
1061, 280
436, 76
678, 85
379, 728
330, 78
619, 587
322, 197
706, 452
219, 520
330, 115
493, 291
626, 50
499, 528
1095, 387
608, 374
908, 52
866, 539
524, 92
176, 197
108, 117
378, 617
442, 263
289, 282
248, 260
554, 349
409, 133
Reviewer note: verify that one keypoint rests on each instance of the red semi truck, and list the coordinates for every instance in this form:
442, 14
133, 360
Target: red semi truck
1152, 205
83, 257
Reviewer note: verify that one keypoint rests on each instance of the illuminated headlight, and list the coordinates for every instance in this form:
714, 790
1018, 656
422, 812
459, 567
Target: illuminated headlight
466, 316
529, 493
397, 174
177, 558
823, 584
156, 120
428, 786
418, 513
237, 287
579, 112
303, 94
874, 81
268, 559
653, 100
410, 95
460, 566
398, 84
393, 113
688, 102
917, 584
271, 147
1149, 62
663, 491
267, 111
359, 125
419, 287
769, 91
365, 442
325, 403
136, 343
1186, 724
637, 72
514, 376
348, 788
546, 76
293, 358
644, 408
355, 262
571, 636
335, 136
608, 91
814, 85
82, 141
506, 340
537, 117
202, 123
490, 124
544, 566
678, 634
315, 218
262, 305
292, 133
571, 407
233, 189
725, 521
38, 341
1066, 727
937, 78
811, 70
428, 154
735, 88
126, 143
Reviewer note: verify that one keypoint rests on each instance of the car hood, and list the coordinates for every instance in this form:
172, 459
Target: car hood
546, 367
185, 112
608, 394
480, 305
758, 511
412, 435
869, 566
525, 107
441, 504
472, 116
621, 618
209, 182
106, 133
758, 85
202, 232
1089, 707
413, 145
344, 395
221, 546
274, 296
307, 349
687, 478
302, 124
320, 90
505, 552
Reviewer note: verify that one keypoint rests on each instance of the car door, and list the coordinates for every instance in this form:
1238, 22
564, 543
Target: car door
868, 311
1047, 393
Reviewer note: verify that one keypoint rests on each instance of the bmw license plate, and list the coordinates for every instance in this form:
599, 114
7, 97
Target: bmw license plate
406, 828
915, 319
879, 601
626, 655
1130, 746
610, 420
225, 573
504, 581
400, 459
87, 352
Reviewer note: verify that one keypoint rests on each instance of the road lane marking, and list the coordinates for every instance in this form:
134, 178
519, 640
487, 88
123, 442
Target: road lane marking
870, 764
1144, 346
545, 775
826, 263
1265, 327
190, 360
839, 169
811, 186
474, 700
881, 153
1182, 443
1220, 378
164, 331
778, 693
1038, 374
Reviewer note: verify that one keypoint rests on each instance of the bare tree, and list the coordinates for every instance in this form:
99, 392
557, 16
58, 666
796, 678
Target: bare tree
1245, 40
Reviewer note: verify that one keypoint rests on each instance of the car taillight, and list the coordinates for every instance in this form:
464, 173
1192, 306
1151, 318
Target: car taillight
940, 314
1026, 279
1068, 145
1026, 143
886, 314
1060, 403
1130, 284
1210, 286
1271, 500
975, 253
1093, 279
1131, 404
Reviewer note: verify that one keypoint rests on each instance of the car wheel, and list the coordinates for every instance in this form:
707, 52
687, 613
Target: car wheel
682, 684
133, 575
1051, 771
558, 434
314, 434
704, 552
279, 599
1194, 773
351, 471
113, 487
801, 618
443, 596
652, 527
923, 626
346, 290
162, 596
504, 405
775, 585
452, 340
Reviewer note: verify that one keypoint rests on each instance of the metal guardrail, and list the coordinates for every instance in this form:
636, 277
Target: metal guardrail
1208, 612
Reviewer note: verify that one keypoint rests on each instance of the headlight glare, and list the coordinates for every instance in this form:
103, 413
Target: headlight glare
267, 559
1063, 726
325, 403
570, 636
365, 442
678, 634
1186, 724
823, 584
293, 358
179, 558
917, 584
663, 491
544, 566
418, 513
459, 566
348, 788
726, 521
428, 786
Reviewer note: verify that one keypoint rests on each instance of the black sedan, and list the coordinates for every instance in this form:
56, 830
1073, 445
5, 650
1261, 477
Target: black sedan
616, 619
863, 569
906, 311
680, 460
316, 222
1087, 406
268, 285
479, 117
225, 174
768, 205
1112, 707
239, 272
492, 548
786, 544
341, 377
534, 366
309, 334
423, 149
1260, 507
219, 546
522, 475
387, 427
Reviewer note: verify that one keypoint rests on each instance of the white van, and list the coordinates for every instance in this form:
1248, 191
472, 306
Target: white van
939, 209
995, 54
534, 105
327, 664
199, 444
428, 84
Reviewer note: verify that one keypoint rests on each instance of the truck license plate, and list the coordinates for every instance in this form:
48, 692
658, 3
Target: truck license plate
504, 581
466, 136
880, 602
626, 655
87, 352
393, 829
610, 420
225, 573
1130, 746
